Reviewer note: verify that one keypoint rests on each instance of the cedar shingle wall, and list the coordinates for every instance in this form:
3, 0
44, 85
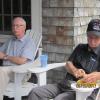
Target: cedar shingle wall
64, 26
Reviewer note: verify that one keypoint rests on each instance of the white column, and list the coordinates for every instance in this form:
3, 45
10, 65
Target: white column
36, 15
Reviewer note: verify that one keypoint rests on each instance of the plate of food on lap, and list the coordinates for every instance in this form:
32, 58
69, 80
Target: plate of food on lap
83, 86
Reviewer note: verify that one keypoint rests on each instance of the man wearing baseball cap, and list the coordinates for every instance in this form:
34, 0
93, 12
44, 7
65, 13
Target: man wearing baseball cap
94, 27
84, 62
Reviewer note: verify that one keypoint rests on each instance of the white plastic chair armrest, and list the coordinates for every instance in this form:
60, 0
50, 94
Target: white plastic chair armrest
24, 68
45, 69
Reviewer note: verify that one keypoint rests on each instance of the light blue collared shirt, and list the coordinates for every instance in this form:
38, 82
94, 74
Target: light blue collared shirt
18, 47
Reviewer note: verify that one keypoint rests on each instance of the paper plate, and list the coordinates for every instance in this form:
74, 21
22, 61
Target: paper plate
81, 89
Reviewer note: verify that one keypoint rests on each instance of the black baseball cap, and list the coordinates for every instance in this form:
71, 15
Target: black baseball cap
94, 27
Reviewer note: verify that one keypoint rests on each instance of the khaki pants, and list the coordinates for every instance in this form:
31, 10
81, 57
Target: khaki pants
5, 74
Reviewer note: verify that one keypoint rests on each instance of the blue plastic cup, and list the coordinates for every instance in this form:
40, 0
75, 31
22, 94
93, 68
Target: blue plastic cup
43, 60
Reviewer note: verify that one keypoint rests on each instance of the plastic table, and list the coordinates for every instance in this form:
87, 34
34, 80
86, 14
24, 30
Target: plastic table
82, 93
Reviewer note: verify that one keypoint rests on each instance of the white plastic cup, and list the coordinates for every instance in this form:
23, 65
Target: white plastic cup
44, 60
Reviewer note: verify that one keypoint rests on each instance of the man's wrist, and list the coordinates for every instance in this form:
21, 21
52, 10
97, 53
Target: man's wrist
75, 72
5, 57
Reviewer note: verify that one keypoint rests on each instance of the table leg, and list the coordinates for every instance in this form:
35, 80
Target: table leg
82, 95
41, 78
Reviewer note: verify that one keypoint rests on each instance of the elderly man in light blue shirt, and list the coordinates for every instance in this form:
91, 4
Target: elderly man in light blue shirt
19, 49
16, 51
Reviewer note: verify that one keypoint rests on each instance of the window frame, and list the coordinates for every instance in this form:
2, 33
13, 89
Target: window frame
6, 18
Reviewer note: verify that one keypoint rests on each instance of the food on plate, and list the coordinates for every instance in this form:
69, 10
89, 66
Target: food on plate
83, 84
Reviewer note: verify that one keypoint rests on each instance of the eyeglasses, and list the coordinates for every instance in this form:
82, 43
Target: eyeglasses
16, 25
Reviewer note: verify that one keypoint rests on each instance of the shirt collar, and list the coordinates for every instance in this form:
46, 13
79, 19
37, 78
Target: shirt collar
22, 39
96, 50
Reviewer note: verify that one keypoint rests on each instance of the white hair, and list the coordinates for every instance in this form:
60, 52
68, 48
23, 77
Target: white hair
20, 18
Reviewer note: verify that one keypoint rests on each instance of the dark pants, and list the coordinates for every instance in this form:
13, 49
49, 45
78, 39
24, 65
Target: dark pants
50, 91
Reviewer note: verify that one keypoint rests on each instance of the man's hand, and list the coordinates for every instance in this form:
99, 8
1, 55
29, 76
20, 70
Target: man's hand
79, 73
92, 77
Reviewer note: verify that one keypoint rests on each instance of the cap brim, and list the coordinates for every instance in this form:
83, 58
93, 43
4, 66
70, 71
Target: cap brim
94, 33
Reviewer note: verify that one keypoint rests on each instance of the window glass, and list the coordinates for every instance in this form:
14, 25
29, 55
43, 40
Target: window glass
26, 7
28, 21
0, 6
7, 19
16, 6
1, 23
7, 6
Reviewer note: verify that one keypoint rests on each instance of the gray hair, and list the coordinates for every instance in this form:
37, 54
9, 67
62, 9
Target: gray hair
20, 18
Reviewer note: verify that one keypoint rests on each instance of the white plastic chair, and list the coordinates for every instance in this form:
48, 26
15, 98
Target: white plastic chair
17, 89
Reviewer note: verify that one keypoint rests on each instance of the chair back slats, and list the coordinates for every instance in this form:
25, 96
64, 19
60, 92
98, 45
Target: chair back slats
37, 37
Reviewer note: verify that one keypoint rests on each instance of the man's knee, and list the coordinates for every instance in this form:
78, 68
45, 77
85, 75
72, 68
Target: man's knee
66, 96
34, 91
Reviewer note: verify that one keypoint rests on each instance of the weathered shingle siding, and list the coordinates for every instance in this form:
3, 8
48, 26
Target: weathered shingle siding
64, 26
